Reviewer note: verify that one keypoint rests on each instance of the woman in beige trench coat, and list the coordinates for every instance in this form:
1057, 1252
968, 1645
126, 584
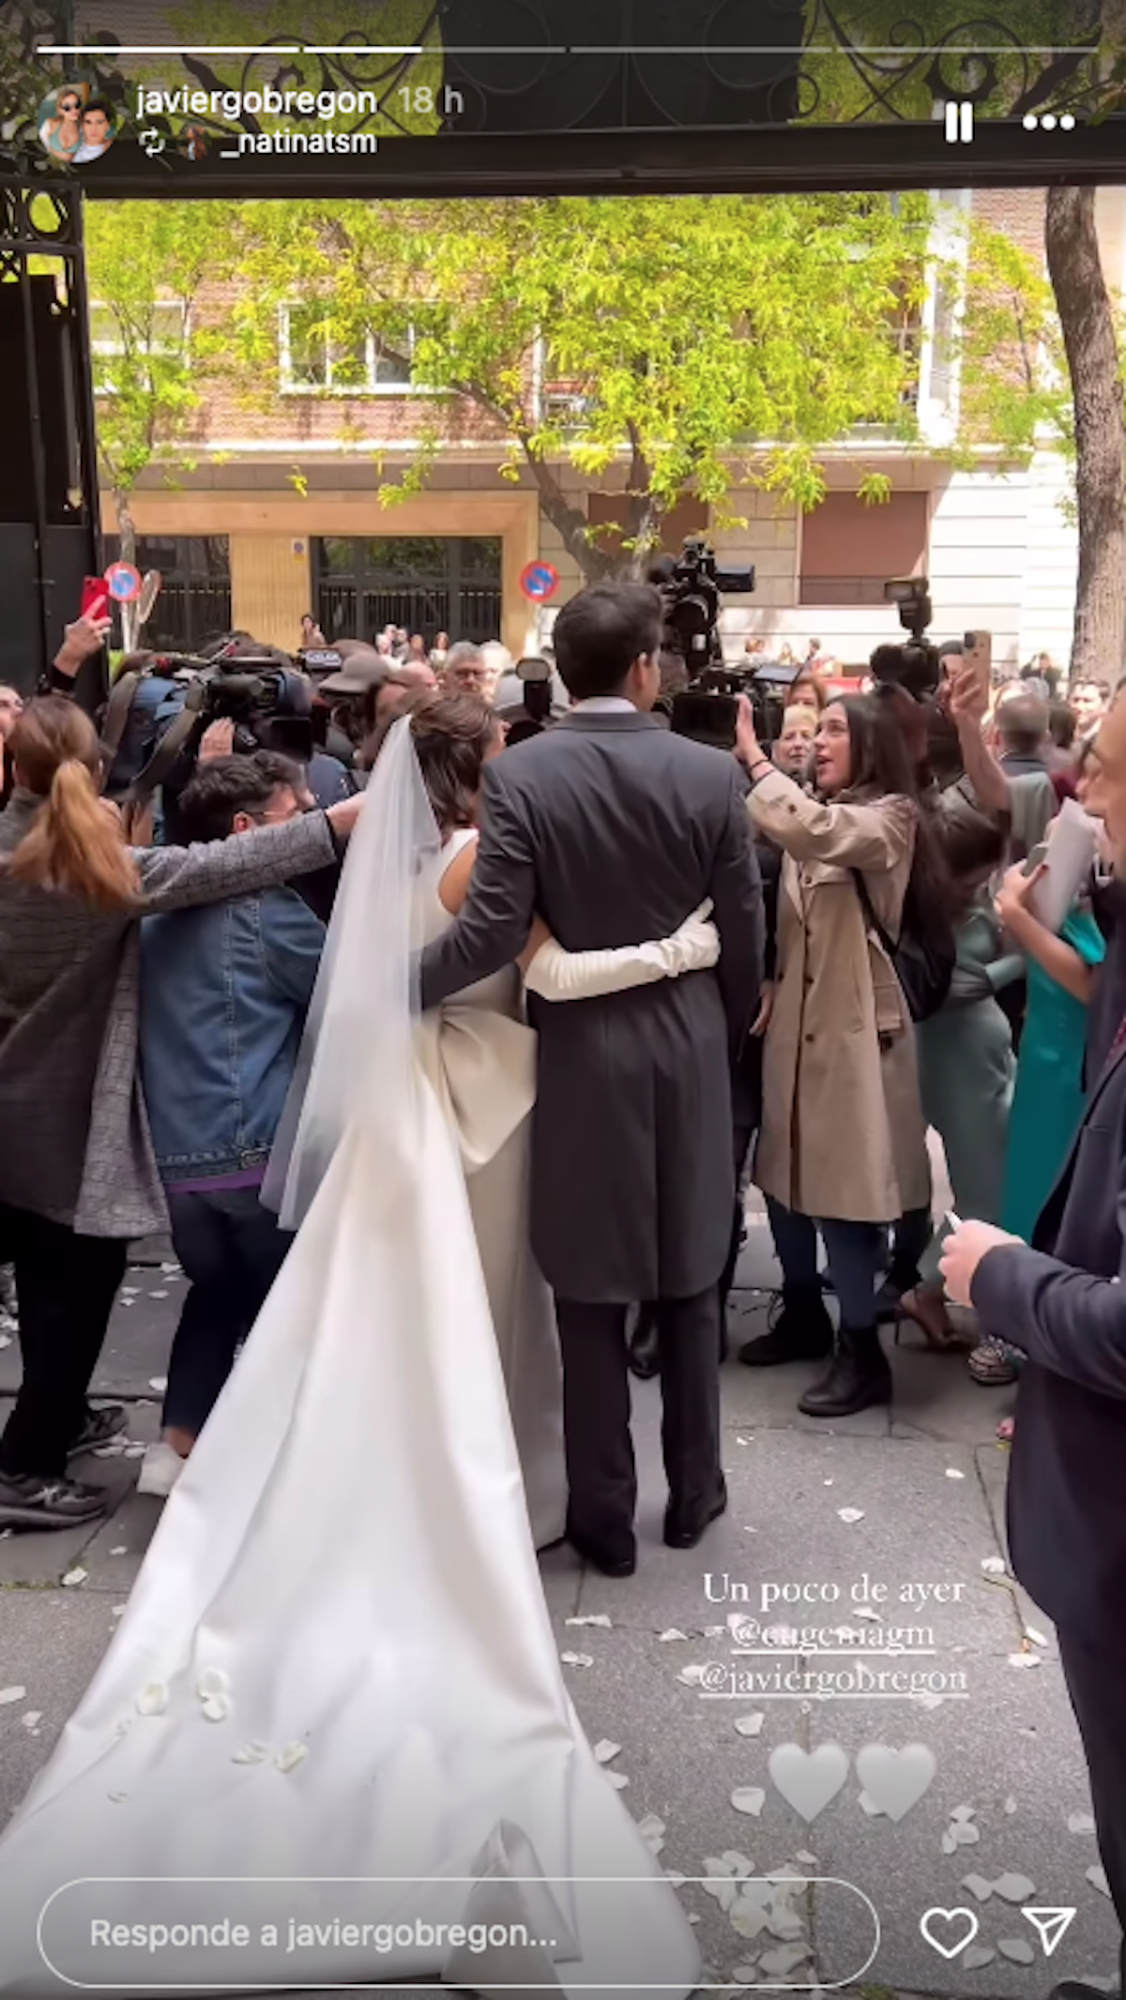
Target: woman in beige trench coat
842, 1145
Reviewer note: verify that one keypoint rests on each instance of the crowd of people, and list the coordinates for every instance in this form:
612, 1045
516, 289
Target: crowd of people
626, 950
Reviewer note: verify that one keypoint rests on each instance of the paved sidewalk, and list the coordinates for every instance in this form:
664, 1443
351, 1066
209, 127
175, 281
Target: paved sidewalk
904, 1506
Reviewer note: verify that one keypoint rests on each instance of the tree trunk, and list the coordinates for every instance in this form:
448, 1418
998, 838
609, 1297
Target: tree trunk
569, 523
1099, 641
127, 535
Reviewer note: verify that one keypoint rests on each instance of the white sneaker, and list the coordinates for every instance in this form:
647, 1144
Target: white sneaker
160, 1469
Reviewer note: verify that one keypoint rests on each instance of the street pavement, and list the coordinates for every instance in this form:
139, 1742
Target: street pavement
888, 1523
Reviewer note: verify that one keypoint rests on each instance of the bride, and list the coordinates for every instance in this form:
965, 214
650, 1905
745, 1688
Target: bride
335, 1698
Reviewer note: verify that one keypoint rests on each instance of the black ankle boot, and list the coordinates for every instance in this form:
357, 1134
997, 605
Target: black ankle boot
803, 1331
859, 1378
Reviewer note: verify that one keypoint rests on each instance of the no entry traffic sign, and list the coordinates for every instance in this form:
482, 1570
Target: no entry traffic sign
539, 581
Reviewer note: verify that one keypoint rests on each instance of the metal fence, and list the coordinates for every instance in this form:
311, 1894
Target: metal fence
349, 611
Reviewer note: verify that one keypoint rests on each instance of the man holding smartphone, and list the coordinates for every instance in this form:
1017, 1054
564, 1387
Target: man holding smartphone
1062, 1302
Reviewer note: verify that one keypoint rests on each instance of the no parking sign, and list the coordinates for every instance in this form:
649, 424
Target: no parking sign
123, 582
539, 581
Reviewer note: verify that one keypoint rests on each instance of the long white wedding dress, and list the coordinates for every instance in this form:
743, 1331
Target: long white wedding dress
335, 1694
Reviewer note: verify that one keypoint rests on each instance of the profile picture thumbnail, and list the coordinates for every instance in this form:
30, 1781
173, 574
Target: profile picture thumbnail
76, 127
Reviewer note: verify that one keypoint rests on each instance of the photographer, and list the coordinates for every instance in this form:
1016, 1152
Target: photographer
224, 994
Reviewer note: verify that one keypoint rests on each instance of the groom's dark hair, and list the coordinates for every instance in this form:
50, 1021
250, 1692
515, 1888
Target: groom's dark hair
600, 633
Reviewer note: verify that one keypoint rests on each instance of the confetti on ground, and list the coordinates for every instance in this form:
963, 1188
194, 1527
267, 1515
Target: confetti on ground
10, 1695
750, 1725
592, 1618
618, 1779
73, 1577
652, 1831
1014, 1888
158, 1295
993, 1565
606, 1751
850, 1514
32, 1719
665, 1638
952, 1472
1024, 1659
748, 1799
577, 1659
158, 1382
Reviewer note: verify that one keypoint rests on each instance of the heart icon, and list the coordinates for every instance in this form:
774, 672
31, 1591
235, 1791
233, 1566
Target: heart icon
969, 1927
808, 1779
896, 1779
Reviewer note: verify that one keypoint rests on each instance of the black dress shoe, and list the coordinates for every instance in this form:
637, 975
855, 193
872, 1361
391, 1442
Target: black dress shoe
615, 1560
643, 1346
683, 1531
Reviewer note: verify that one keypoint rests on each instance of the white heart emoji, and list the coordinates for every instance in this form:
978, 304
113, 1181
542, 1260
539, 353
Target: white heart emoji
808, 1779
896, 1779
932, 1919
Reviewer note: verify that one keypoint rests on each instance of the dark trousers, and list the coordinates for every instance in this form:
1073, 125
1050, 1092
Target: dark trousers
232, 1250
854, 1251
1094, 1682
601, 1476
66, 1286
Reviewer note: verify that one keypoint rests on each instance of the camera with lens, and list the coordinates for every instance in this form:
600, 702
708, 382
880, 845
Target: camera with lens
914, 665
537, 710
691, 590
269, 704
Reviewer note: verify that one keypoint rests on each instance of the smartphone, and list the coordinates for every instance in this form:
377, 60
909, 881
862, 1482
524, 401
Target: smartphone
977, 652
1037, 854
95, 597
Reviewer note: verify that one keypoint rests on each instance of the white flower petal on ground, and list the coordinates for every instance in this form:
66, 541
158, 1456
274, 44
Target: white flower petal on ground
1097, 1878
10, 1695
251, 1753
33, 1717
1080, 1823
1036, 1638
159, 1383
592, 1618
5, 1340
866, 1611
778, 1964
712, 1631
748, 1799
739, 1865
960, 1813
722, 1889
618, 1779
807, 1860
213, 1681
750, 1725
294, 1754
850, 1514
868, 1805
605, 1751
652, 1831
119, 1552
1024, 1659
1017, 1949
158, 1295
993, 1565
74, 1577
949, 1844
119, 1611
975, 1956
692, 1675
744, 1975
965, 1835
928, 1700
666, 1638
785, 1925
978, 1886
952, 1472
153, 1699
674, 1876
1010, 1804
216, 1707
577, 1659
1014, 1888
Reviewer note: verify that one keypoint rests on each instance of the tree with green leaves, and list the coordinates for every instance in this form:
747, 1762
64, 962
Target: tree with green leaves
698, 343
154, 351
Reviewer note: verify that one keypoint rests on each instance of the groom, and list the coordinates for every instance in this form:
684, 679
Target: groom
614, 830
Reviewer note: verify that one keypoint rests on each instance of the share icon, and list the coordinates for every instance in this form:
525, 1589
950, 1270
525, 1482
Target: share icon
1050, 1925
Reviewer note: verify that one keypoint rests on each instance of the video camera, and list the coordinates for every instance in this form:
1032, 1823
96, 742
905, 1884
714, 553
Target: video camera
159, 708
692, 595
915, 664
537, 711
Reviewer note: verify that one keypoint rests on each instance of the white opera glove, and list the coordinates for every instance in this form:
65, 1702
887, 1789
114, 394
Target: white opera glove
556, 974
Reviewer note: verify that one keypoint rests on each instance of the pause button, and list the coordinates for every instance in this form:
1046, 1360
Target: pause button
959, 123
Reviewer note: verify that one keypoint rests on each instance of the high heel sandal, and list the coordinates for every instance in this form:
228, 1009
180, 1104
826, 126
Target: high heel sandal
940, 1336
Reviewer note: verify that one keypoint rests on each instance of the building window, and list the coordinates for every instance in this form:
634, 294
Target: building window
311, 364
850, 549
164, 331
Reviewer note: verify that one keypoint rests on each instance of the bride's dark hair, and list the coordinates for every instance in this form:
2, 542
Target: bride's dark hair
453, 734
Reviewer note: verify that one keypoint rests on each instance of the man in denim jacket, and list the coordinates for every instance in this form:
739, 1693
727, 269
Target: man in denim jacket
224, 993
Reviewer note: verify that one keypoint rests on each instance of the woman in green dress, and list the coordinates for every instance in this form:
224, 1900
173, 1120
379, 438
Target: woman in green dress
1048, 1099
